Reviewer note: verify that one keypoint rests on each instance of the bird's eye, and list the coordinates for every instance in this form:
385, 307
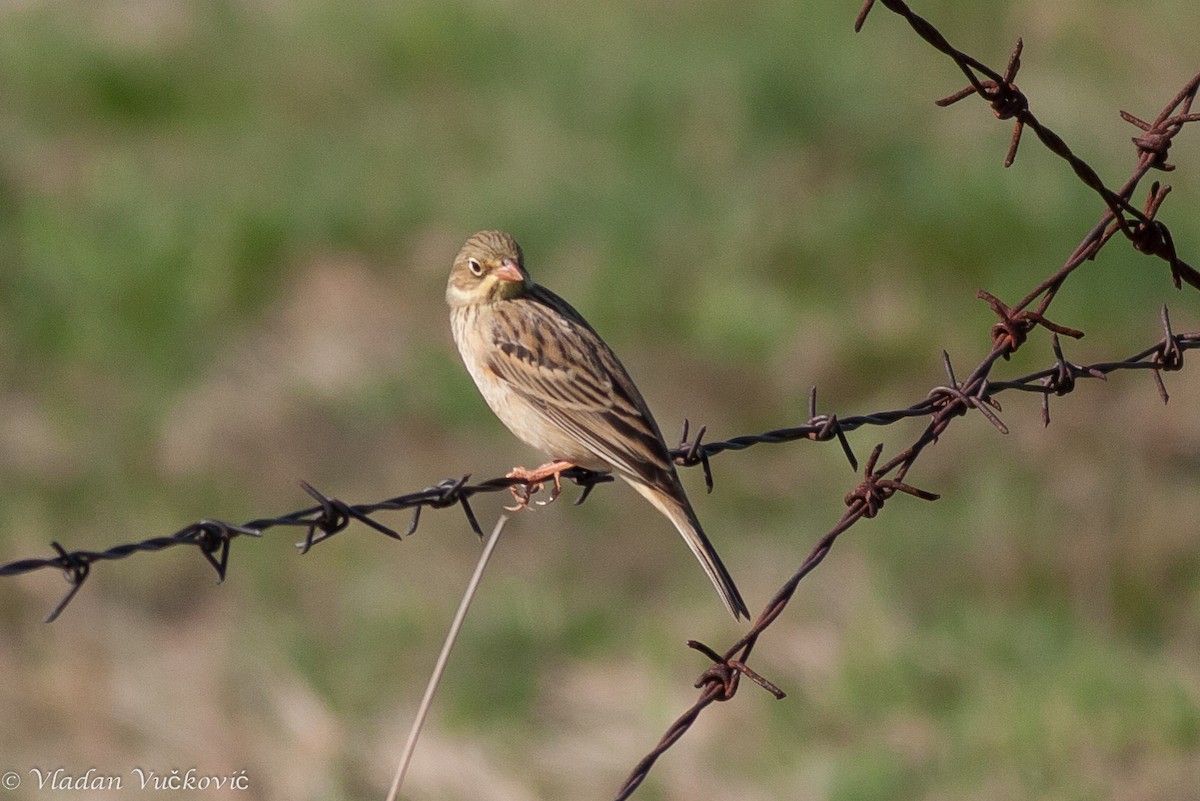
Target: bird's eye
476, 267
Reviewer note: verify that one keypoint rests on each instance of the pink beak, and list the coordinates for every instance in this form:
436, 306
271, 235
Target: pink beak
509, 271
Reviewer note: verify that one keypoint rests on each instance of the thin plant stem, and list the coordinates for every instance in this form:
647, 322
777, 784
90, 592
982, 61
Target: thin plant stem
440, 666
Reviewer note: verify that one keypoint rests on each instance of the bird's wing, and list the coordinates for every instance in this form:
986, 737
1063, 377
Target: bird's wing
551, 357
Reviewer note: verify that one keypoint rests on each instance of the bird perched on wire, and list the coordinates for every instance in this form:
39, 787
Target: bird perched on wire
559, 387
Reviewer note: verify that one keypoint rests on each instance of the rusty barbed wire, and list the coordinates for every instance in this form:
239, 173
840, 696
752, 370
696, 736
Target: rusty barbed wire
879, 482
1009, 102
1147, 234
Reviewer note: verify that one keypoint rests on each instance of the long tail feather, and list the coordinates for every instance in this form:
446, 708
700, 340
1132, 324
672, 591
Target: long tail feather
680, 513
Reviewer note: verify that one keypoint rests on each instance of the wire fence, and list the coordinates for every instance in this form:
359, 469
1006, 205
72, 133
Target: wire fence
881, 479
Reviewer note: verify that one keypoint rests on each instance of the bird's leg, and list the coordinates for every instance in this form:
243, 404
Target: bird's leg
536, 481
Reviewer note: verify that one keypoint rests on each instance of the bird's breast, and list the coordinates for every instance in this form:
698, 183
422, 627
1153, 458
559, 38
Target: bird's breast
469, 325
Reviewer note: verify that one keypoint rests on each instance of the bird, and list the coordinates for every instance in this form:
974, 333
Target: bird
560, 388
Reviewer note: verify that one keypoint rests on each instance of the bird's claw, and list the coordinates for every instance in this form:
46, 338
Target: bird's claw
535, 482
521, 494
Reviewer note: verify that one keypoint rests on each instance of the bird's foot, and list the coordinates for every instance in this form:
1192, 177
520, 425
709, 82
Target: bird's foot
535, 482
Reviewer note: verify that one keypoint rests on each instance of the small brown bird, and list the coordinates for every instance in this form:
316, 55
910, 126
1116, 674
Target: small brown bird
554, 382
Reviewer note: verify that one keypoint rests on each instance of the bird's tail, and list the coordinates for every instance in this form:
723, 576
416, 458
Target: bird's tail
679, 511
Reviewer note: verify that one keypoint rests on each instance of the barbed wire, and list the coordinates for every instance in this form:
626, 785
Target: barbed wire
1147, 234
942, 404
331, 516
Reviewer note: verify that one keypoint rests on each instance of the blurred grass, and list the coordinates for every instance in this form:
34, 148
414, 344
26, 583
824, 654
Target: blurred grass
225, 230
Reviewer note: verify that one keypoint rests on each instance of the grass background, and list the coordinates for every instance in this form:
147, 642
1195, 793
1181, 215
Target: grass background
225, 230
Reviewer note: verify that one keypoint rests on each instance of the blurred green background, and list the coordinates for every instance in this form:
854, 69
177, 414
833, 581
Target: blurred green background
224, 234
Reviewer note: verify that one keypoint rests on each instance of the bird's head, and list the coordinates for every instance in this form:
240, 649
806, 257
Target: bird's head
489, 268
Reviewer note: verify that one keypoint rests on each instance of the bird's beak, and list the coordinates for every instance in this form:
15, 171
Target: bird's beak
509, 271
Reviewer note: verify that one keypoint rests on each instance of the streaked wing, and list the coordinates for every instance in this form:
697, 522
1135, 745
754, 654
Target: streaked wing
552, 358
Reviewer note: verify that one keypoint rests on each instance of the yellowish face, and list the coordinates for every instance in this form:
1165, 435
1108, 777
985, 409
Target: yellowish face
488, 268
